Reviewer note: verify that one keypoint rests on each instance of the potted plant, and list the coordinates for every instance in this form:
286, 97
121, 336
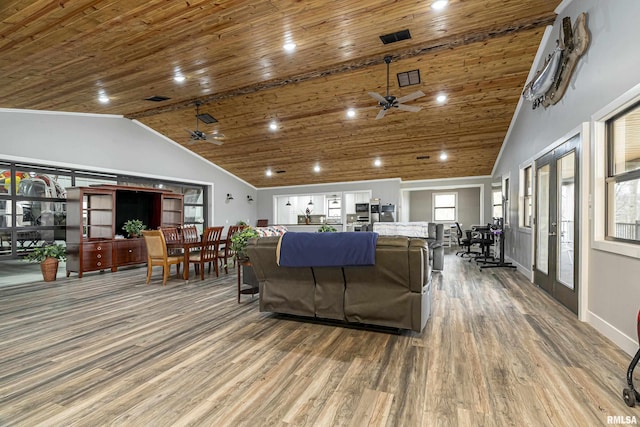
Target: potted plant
49, 256
239, 241
326, 228
134, 227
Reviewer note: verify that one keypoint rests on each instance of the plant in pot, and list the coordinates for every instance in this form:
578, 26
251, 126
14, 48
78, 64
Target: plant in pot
134, 227
240, 240
326, 228
49, 256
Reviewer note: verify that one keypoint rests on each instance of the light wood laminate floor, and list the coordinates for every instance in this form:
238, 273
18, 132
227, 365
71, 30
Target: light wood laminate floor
108, 349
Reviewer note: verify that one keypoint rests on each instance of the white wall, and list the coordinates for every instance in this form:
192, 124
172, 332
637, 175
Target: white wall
109, 143
421, 205
608, 69
482, 182
387, 190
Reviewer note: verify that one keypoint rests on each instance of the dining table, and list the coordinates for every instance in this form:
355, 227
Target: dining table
186, 245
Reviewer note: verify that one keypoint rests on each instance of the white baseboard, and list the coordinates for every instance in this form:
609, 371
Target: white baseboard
626, 343
525, 271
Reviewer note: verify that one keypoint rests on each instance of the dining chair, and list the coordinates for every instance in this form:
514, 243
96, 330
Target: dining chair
208, 251
225, 253
190, 233
157, 254
171, 235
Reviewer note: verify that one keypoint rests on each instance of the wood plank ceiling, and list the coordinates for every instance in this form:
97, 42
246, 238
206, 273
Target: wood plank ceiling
61, 55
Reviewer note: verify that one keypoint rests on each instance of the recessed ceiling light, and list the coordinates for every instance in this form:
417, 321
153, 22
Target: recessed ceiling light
351, 113
273, 126
443, 156
377, 162
441, 98
269, 173
316, 168
103, 98
179, 78
439, 4
289, 47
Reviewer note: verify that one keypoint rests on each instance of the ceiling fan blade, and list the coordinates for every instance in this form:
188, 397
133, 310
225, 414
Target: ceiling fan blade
412, 108
381, 114
216, 138
377, 97
410, 97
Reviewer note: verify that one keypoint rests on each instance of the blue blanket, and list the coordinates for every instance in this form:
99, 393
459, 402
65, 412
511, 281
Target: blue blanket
327, 249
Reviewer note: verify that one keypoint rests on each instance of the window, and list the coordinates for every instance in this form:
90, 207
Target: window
623, 176
496, 197
33, 206
445, 207
526, 190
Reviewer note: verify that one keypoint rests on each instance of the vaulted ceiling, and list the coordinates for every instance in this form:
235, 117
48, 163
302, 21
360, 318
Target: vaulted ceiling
62, 55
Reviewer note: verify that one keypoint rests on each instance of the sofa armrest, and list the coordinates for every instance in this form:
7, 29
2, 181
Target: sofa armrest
419, 265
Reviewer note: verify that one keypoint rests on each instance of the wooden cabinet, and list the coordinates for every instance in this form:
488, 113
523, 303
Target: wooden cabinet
172, 210
129, 251
89, 256
95, 216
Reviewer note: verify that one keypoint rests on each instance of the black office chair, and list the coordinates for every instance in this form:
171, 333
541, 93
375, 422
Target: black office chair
464, 242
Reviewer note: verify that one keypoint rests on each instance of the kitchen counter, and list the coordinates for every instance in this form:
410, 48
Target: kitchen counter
311, 227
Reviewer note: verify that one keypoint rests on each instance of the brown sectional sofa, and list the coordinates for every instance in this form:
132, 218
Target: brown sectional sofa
395, 292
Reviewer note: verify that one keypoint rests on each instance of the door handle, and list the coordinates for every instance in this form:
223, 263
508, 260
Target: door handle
552, 234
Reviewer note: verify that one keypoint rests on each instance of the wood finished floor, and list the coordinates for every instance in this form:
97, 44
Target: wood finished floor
108, 349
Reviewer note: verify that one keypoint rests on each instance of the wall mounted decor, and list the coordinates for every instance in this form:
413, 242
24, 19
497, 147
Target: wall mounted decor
550, 83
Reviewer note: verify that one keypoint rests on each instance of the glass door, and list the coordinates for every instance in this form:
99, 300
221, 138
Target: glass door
555, 269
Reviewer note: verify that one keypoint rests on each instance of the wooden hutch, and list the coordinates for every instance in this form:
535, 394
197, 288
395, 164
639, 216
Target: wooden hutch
96, 214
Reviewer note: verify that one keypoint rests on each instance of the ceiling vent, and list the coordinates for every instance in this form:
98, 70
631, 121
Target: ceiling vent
422, 157
396, 37
280, 171
157, 98
409, 78
207, 118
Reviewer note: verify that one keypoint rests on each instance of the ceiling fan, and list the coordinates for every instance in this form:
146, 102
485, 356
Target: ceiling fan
390, 101
215, 137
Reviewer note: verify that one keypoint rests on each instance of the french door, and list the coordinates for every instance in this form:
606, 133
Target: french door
556, 235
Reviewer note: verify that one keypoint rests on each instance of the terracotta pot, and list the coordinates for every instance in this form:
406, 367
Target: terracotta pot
307, 221
49, 269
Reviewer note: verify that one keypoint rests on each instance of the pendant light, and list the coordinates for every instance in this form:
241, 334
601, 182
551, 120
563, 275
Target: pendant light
288, 202
310, 202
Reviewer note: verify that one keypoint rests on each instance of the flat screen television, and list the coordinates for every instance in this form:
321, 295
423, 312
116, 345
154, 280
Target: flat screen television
137, 205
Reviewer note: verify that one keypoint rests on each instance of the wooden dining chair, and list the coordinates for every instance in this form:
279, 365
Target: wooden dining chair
190, 233
157, 254
171, 235
208, 251
225, 253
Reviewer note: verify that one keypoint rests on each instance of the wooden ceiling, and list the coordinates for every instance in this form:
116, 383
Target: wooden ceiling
59, 55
